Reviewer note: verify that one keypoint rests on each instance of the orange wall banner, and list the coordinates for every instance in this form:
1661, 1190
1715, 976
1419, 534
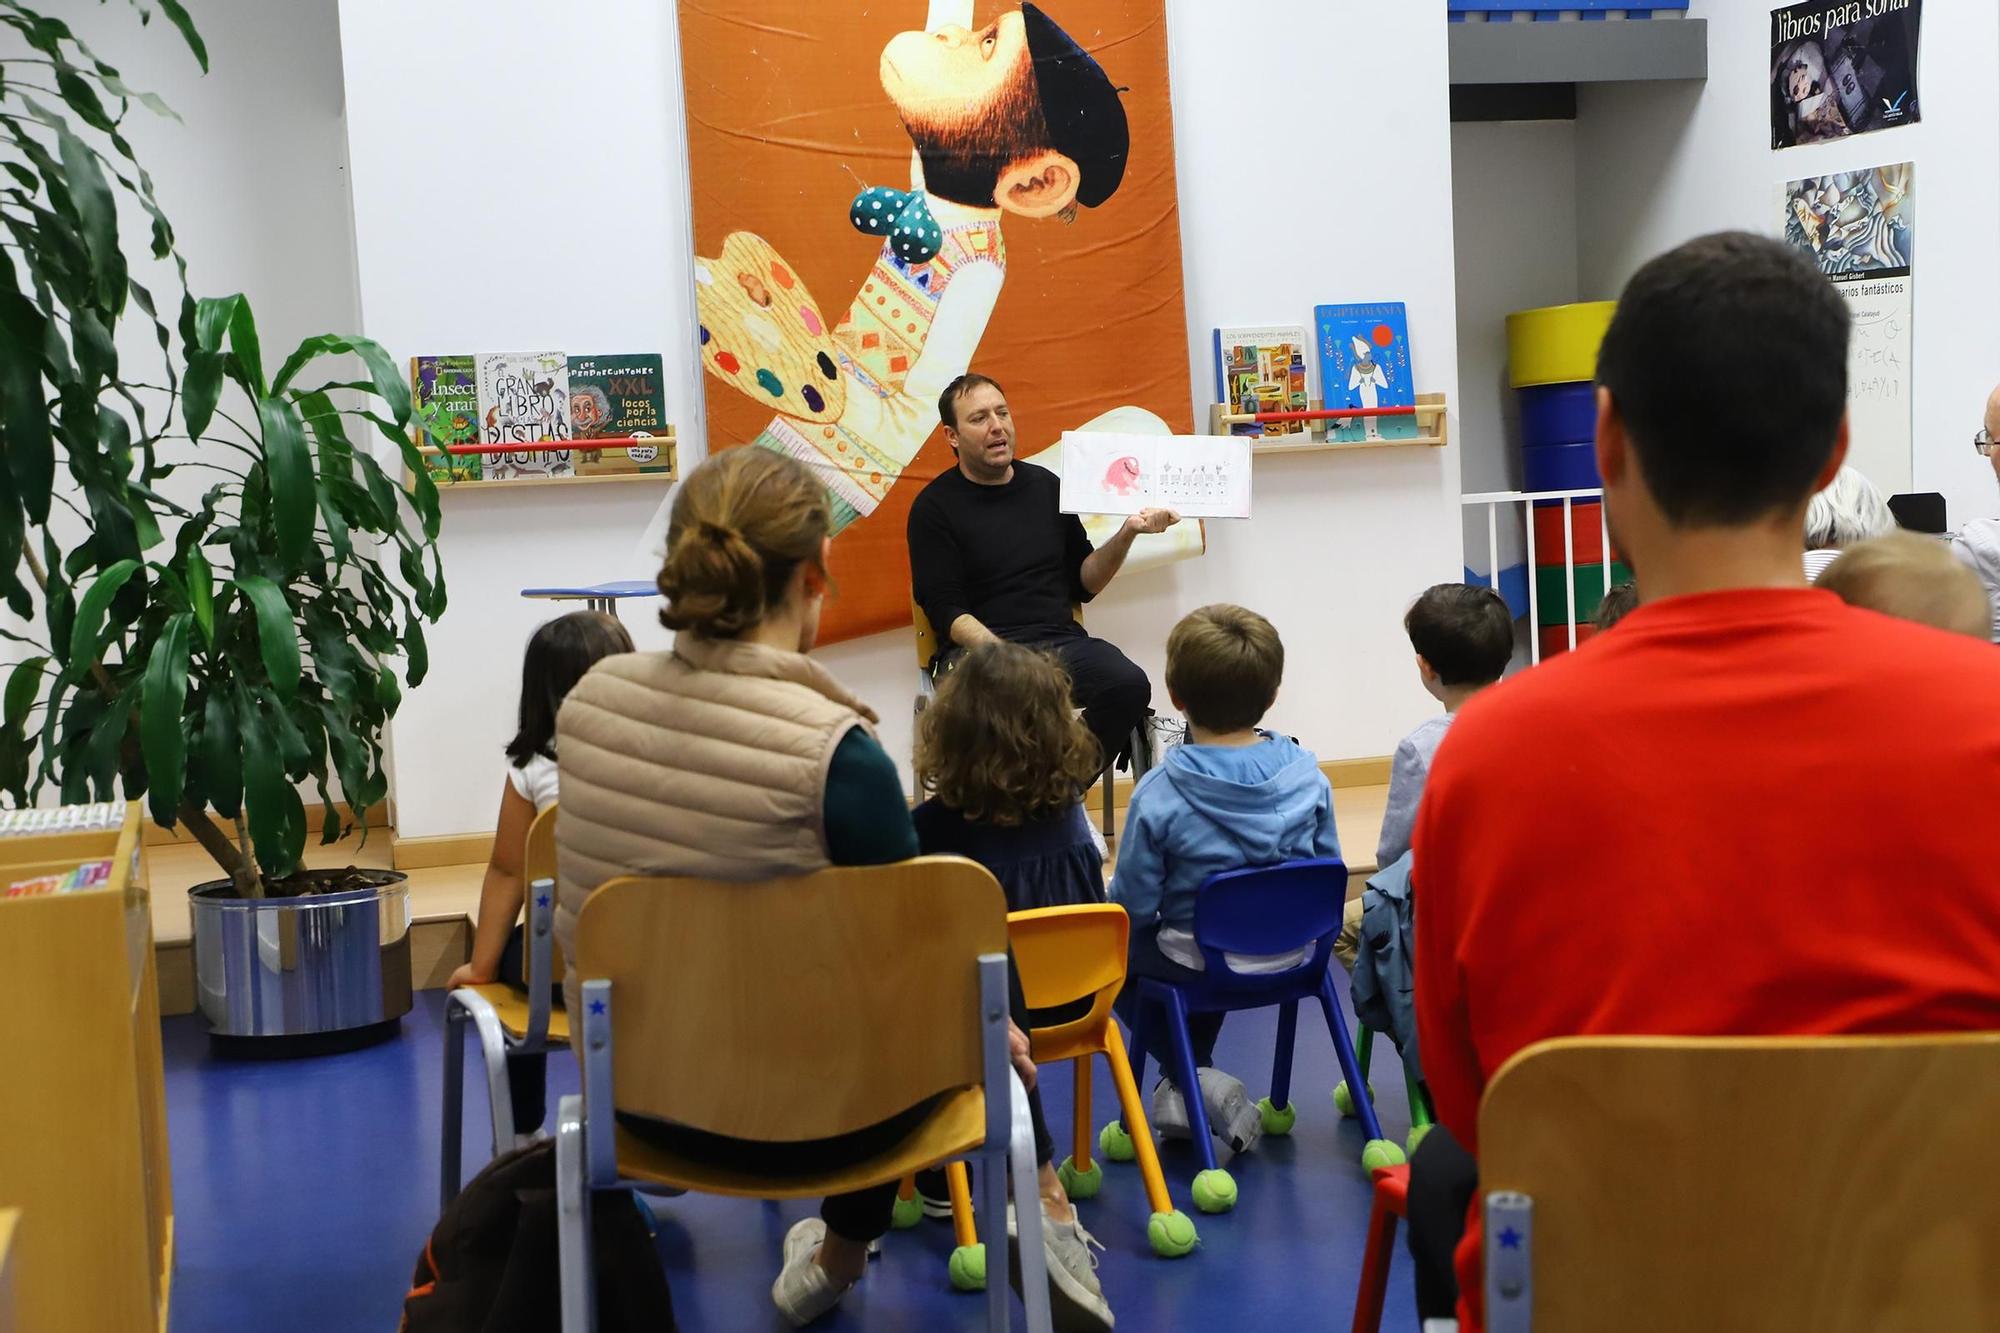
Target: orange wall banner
889, 195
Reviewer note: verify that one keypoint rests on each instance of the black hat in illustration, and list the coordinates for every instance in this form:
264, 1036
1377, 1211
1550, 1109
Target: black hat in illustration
1080, 105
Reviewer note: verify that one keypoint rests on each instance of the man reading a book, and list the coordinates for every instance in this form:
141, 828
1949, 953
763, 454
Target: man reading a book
992, 556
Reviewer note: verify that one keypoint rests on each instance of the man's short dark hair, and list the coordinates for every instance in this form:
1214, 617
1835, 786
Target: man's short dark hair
1464, 631
1727, 362
957, 389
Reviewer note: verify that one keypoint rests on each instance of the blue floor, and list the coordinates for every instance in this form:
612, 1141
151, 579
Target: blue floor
303, 1191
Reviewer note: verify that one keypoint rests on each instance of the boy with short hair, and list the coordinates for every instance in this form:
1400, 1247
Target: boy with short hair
1232, 796
1464, 637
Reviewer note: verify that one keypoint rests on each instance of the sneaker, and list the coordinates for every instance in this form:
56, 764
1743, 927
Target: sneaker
1170, 1116
1076, 1300
934, 1193
1232, 1116
803, 1291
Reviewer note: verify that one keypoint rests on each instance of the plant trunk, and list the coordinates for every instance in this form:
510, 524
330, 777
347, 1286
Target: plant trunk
237, 864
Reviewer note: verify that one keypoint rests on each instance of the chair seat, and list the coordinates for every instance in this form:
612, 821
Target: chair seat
954, 1128
512, 1008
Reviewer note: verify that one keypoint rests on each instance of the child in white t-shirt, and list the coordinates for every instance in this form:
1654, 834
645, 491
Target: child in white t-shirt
559, 653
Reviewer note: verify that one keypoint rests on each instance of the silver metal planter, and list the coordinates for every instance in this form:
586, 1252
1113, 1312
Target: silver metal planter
290, 967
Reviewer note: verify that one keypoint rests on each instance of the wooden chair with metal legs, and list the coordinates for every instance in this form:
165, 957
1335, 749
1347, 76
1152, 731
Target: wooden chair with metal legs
929, 646
508, 1022
783, 1012
1656, 1183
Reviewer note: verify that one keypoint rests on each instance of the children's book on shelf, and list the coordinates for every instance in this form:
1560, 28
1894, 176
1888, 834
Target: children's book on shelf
619, 396
524, 399
445, 404
1364, 362
1263, 369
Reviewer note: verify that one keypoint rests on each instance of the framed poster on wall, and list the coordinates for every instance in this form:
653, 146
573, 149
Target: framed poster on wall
888, 197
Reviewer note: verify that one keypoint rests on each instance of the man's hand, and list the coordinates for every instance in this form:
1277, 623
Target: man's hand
1149, 521
1017, 1051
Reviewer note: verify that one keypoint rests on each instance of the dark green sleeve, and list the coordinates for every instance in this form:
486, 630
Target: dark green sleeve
867, 816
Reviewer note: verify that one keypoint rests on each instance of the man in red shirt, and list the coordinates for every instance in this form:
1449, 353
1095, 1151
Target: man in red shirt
1749, 808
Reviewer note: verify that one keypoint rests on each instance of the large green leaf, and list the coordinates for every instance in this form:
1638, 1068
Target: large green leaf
201, 593
294, 497
276, 637
98, 212
24, 683
201, 390
212, 316
87, 635
243, 342
221, 755
276, 815
162, 737
177, 15
31, 453
388, 380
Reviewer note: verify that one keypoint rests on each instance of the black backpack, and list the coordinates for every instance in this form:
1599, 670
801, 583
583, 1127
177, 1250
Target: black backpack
490, 1264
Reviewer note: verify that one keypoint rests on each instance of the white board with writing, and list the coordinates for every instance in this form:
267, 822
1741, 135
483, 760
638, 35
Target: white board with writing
1197, 476
1878, 381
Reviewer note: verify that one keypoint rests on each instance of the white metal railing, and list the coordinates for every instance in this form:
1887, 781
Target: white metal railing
1526, 500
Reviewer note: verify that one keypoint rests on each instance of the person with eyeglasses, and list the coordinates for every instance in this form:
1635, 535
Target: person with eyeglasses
1977, 544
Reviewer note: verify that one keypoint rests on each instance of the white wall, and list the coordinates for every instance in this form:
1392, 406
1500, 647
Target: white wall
1660, 163
1513, 198
1339, 544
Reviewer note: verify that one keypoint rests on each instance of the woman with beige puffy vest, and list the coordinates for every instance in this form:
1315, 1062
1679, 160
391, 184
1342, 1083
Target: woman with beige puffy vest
736, 756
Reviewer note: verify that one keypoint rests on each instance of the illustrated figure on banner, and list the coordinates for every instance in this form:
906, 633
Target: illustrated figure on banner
1014, 118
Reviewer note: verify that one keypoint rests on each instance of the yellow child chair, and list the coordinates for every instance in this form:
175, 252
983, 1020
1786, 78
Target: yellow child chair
1068, 956
508, 1022
705, 975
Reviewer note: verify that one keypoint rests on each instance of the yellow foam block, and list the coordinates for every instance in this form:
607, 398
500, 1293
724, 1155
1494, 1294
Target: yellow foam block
1556, 344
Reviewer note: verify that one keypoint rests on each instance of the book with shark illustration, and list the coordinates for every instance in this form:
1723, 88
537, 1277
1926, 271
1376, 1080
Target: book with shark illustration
1364, 362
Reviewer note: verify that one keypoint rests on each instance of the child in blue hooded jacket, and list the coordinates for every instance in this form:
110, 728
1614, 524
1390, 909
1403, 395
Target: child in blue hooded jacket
1233, 796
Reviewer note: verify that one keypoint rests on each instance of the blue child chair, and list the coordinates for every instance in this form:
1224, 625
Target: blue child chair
1262, 911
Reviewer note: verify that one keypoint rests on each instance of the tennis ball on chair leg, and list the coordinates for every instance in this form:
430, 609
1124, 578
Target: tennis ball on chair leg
1380, 1153
1115, 1143
968, 1268
1417, 1136
1214, 1191
907, 1213
1278, 1120
1343, 1100
1172, 1235
1080, 1184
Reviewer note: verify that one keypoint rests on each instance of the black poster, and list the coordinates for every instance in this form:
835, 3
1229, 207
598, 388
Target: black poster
1841, 67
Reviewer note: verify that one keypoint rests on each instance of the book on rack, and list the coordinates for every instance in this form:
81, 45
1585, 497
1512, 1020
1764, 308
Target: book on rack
1364, 362
445, 407
524, 399
619, 396
1263, 369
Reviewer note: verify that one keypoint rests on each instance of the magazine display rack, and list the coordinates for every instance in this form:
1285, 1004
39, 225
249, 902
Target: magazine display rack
667, 444
85, 1160
1430, 411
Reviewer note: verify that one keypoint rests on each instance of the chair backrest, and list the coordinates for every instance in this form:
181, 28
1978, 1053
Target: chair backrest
1751, 1183
792, 1009
1269, 910
1067, 954
538, 863
538, 859
927, 639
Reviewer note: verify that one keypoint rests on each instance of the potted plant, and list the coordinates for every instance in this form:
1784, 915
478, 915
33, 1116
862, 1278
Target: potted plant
211, 652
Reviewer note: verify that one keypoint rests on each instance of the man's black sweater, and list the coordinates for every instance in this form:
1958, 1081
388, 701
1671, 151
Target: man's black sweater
1006, 555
